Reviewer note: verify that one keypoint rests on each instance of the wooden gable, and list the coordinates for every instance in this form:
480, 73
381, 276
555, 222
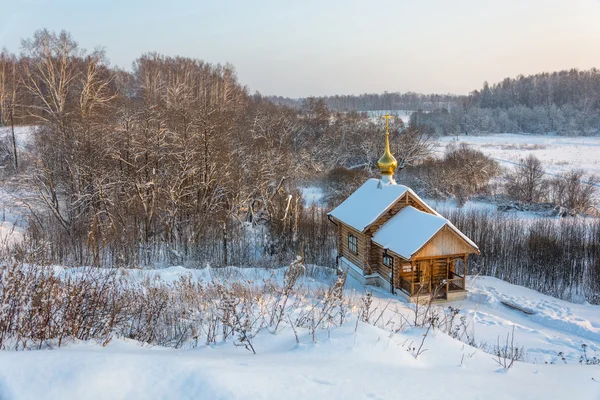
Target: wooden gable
445, 242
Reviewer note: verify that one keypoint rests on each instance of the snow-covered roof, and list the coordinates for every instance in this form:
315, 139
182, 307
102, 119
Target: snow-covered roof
367, 203
404, 233
409, 230
450, 224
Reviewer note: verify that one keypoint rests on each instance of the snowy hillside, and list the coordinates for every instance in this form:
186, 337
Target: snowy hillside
359, 360
356, 361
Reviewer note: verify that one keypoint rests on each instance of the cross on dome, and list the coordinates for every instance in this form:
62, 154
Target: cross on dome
387, 164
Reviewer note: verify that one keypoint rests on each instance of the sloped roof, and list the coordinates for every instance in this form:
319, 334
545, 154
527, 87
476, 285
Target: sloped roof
367, 203
409, 230
406, 232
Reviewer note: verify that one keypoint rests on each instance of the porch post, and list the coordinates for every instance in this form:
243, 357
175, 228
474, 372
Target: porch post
430, 275
465, 272
392, 283
412, 278
447, 276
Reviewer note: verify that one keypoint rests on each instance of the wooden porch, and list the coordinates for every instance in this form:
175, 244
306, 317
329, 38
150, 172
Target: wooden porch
455, 283
433, 278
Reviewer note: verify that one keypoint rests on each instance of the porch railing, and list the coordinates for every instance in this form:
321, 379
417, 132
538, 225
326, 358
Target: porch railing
415, 288
455, 282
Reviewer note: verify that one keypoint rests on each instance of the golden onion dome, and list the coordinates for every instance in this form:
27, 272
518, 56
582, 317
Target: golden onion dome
387, 164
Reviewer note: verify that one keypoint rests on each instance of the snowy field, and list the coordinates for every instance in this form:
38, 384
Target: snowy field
356, 361
558, 154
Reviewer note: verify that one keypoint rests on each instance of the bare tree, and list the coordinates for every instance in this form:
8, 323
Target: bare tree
411, 145
526, 183
8, 98
574, 191
462, 173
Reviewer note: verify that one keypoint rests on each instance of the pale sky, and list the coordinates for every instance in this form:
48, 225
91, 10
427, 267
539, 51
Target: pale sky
312, 48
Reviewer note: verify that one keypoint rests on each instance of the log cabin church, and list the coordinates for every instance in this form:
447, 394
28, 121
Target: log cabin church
389, 237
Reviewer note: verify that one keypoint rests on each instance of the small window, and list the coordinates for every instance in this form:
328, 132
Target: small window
388, 261
353, 244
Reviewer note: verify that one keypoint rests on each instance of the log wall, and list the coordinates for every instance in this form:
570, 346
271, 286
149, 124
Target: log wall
377, 253
363, 245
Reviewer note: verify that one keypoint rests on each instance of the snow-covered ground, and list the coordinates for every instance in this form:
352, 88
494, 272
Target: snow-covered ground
13, 210
12, 217
558, 154
356, 361
556, 325
23, 134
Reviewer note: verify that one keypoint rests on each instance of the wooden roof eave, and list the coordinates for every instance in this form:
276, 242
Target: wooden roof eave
390, 251
446, 226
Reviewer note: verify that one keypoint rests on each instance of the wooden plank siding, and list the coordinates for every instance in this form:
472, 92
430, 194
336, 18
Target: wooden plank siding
444, 243
406, 273
439, 275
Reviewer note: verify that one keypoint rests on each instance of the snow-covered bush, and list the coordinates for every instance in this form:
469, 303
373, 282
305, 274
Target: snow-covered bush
462, 173
574, 191
507, 352
47, 306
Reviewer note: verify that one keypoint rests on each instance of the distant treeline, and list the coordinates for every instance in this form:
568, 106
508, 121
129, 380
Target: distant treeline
565, 102
373, 101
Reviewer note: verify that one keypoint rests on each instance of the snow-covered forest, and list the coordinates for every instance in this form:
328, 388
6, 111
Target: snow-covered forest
563, 102
175, 163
